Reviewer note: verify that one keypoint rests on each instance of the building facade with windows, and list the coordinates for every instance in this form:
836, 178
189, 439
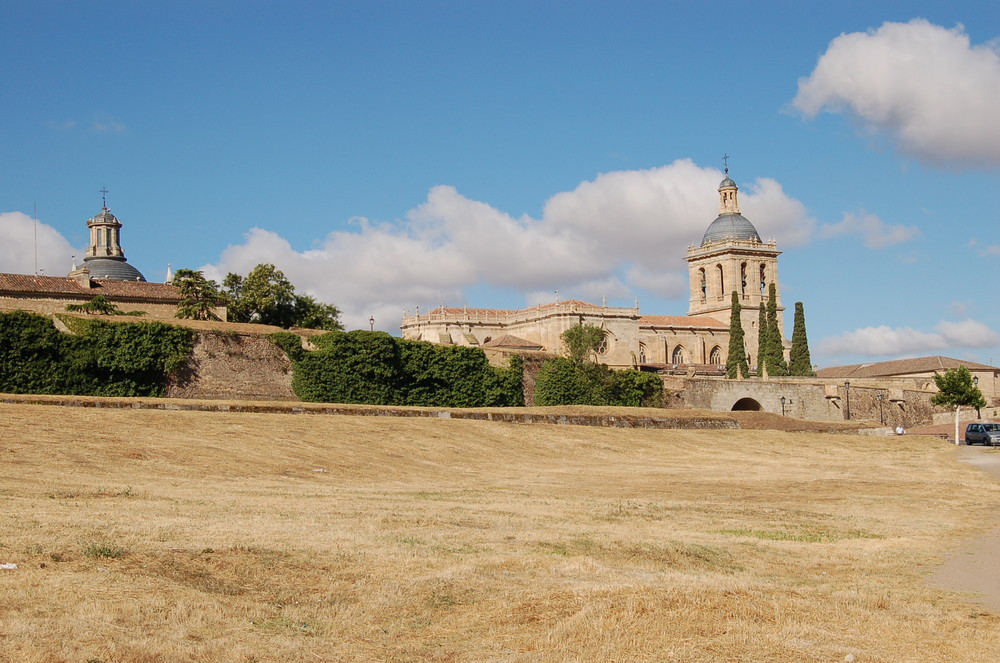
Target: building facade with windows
731, 258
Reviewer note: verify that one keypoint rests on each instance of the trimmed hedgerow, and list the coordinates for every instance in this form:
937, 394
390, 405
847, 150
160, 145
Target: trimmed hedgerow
378, 369
99, 358
563, 381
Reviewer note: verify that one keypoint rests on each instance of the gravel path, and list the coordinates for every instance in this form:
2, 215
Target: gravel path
973, 567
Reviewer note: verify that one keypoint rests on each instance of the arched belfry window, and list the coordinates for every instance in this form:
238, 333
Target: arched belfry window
763, 279
678, 356
722, 281
704, 283
743, 279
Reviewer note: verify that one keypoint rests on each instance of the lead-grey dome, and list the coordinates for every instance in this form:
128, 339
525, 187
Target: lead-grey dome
108, 269
730, 226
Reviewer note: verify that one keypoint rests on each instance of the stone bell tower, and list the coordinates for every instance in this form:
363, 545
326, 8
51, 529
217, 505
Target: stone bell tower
105, 258
733, 258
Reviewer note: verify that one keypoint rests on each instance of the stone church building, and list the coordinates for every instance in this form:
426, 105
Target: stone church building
731, 257
105, 271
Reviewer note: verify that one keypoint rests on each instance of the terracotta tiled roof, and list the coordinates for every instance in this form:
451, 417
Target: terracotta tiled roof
900, 367
681, 321
511, 341
63, 286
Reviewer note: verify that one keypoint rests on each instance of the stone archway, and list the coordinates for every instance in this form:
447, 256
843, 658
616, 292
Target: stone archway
747, 403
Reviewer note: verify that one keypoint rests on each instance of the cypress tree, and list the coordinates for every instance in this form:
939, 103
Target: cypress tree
736, 361
775, 357
799, 360
762, 342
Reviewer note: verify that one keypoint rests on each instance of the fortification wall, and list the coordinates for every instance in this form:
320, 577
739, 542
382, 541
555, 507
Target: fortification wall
229, 366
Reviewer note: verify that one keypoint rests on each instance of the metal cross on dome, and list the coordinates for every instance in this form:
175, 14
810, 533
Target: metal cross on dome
725, 160
104, 197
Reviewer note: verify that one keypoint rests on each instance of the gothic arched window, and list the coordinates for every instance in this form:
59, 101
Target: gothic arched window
716, 356
678, 356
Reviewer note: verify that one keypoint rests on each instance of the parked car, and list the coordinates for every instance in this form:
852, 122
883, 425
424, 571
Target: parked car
983, 434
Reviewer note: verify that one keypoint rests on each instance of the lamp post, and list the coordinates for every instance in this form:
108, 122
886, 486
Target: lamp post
880, 396
975, 383
371, 321
785, 401
847, 398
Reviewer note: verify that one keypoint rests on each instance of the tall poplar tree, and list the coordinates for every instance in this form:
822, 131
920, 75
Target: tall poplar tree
762, 342
799, 360
774, 352
736, 360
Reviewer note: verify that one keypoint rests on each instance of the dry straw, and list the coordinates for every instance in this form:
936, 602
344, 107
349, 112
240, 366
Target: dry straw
145, 535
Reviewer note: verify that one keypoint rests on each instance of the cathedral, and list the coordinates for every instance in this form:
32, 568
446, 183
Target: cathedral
731, 258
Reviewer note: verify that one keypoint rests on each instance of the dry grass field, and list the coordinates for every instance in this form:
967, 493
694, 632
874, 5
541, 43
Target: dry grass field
145, 535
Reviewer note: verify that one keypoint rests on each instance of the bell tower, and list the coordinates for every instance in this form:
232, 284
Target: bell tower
733, 258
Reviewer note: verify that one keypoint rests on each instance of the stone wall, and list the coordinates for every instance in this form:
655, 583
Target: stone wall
229, 366
807, 398
51, 306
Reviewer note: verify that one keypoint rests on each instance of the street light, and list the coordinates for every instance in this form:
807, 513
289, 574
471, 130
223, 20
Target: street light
847, 395
783, 402
371, 321
880, 396
975, 383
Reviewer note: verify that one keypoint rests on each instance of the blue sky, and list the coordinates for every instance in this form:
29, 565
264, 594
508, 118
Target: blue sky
389, 155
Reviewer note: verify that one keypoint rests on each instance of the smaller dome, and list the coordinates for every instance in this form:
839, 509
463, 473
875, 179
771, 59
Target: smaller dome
108, 269
730, 226
104, 217
727, 183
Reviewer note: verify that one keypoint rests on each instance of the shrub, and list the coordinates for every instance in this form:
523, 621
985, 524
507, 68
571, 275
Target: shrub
562, 381
101, 358
375, 368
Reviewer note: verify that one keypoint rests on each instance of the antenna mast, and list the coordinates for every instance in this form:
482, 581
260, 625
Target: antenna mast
34, 224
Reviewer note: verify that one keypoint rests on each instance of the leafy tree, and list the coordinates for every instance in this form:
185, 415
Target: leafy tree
955, 390
200, 295
99, 305
308, 313
774, 352
799, 361
581, 341
736, 360
267, 297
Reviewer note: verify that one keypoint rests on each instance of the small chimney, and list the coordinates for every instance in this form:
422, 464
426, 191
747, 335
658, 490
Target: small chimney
82, 277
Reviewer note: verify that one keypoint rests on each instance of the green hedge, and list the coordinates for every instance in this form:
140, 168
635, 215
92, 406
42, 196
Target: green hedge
378, 369
99, 359
562, 381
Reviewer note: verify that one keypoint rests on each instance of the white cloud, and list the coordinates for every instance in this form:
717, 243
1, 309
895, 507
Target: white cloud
107, 124
622, 232
877, 234
887, 341
19, 237
927, 86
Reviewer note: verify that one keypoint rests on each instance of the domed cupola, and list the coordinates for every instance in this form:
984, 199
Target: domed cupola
105, 258
730, 224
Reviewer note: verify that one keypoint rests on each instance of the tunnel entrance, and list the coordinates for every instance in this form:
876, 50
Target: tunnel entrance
746, 404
